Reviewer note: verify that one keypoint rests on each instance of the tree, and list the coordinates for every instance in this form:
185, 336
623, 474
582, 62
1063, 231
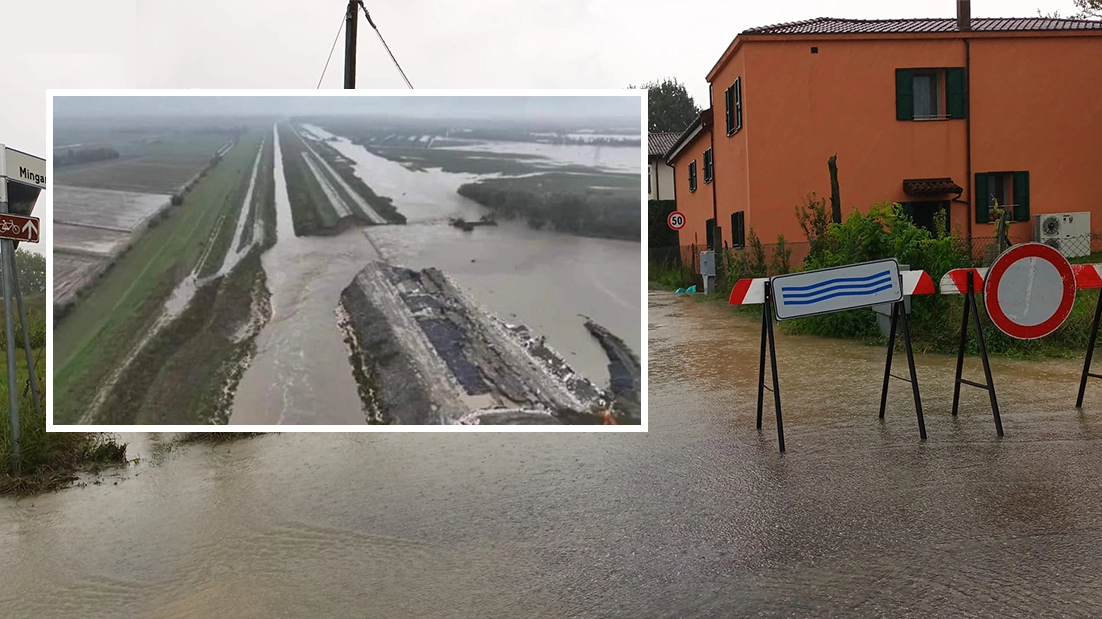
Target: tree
671, 107
32, 271
1088, 9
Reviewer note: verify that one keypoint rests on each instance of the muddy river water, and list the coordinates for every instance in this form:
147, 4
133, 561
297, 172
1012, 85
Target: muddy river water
549, 281
700, 517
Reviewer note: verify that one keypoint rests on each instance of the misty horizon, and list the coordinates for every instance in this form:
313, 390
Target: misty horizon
605, 110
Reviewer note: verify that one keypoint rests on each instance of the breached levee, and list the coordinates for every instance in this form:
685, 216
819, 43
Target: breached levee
423, 353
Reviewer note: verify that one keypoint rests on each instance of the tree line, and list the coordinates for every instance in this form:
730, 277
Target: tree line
612, 215
73, 156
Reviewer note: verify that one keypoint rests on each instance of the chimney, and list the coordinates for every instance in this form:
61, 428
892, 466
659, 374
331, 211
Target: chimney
964, 15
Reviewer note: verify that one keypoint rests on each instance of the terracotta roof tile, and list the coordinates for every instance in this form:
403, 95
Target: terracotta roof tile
658, 144
921, 186
830, 25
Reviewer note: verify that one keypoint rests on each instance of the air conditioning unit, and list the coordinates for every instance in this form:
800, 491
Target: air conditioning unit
1068, 233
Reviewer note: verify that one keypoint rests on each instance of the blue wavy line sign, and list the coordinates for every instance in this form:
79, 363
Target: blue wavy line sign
836, 289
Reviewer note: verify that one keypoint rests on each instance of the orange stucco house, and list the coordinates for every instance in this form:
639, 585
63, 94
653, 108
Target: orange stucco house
931, 113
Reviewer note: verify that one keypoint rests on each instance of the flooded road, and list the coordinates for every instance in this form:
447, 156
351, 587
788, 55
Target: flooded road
701, 517
300, 374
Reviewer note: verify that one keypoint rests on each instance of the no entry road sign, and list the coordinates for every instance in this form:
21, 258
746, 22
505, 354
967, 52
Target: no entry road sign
1029, 291
676, 220
836, 289
18, 228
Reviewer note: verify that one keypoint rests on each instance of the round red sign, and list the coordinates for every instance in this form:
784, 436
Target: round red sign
1029, 291
676, 220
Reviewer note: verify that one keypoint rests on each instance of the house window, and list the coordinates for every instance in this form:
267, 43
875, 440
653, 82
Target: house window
738, 230
710, 232
1009, 189
692, 175
708, 166
930, 94
734, 107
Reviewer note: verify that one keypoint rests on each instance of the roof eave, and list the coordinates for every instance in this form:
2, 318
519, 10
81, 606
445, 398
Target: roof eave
686, 138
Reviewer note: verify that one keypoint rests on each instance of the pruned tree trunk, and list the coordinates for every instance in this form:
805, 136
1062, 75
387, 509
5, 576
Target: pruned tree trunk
835, 198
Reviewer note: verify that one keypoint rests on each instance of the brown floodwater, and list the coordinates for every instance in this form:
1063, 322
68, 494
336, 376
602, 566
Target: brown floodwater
546, 280
699, 517
300, 372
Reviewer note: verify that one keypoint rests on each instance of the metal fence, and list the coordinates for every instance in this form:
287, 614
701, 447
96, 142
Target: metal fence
779, 258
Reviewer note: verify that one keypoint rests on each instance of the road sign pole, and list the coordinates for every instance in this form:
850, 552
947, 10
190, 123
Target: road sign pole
26, 331
971, 306
773, 363
902, 310
13, 387
761, 360
1090, 353
888, 363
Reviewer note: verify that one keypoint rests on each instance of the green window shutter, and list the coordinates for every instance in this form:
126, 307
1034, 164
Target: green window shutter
741, 229
982, 200
738, 104
730, 101
692, 176
904, 95
955, 93
1021, 196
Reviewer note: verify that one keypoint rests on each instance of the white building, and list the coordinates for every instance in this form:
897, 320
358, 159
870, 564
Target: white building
659, 174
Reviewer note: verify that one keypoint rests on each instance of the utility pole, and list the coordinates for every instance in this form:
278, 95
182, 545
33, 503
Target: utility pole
350, 20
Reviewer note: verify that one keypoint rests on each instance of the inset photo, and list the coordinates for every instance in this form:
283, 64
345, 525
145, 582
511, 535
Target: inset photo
346, 260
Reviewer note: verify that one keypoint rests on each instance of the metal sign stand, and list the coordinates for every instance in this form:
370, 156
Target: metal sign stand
11, 288
970, 307
899, 312
1090, 354
767, 333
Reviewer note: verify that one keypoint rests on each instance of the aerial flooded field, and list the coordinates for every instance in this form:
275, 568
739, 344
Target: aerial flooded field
298, 275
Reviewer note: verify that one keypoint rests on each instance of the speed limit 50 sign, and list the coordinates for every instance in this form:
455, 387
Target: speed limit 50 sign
676, 220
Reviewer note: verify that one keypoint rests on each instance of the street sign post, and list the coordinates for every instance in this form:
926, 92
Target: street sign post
22, 178
676, 220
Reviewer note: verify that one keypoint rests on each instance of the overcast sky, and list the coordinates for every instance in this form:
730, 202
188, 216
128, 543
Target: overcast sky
625, 110
460, 44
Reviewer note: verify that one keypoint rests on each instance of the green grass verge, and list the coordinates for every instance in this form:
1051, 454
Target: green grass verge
311, 211
383, 205
227, 225
263, 194
98, 332
179, 376
49, 460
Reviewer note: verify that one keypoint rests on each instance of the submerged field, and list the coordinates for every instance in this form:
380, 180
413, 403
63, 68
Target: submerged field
158, 163
95, 338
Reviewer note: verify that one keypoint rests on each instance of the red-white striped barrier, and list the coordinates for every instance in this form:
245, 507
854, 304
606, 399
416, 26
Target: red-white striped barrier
752, 291
1087, 277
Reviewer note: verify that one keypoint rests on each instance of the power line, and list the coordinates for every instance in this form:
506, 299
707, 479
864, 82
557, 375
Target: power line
376, 29
335, 39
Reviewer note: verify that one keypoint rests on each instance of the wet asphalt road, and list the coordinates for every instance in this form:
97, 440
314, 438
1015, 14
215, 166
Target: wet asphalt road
701, 517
